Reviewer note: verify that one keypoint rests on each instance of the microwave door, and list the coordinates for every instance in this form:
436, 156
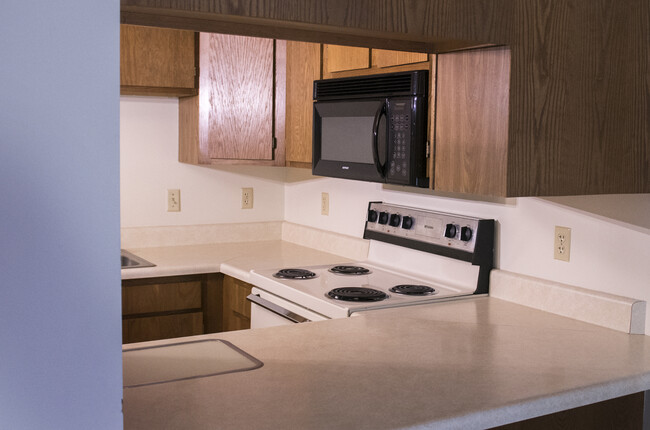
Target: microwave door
349, 139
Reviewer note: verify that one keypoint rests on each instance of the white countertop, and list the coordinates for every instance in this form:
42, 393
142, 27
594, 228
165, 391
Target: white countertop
235, 259
472, 363
465, 364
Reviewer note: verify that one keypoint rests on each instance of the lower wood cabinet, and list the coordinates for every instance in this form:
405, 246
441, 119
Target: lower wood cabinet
176, 306
236, 309
161, 327
617, 414
167, 307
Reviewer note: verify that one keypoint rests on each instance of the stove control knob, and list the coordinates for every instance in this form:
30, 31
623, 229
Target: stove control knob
372, 215
450, 231
383, 217
407, 222
395, 220
465, 234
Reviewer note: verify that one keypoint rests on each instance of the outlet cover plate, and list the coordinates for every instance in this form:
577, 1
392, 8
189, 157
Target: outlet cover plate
562, 243
173, 200
324, 204
247, 198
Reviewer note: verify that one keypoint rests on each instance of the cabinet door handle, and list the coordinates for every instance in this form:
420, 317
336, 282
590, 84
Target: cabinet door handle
278, 310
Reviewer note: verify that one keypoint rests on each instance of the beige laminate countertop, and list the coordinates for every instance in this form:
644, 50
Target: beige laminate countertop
465, 364
235, 259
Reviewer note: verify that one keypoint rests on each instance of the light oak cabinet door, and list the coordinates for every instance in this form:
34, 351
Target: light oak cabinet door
157, 61
303, 68
386, 58
236, 96
345, 61
338, 58
232, 118
471, 130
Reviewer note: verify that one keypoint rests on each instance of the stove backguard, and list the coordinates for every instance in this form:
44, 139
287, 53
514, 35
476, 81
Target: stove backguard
455, 236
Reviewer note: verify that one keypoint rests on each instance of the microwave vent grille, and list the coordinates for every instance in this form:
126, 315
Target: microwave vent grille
367, 86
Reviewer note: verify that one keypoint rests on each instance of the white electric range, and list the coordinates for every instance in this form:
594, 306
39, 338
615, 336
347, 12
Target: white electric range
416, 256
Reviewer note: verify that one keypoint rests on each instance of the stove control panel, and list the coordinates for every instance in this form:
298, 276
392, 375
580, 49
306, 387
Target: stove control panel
429, 227
459, 237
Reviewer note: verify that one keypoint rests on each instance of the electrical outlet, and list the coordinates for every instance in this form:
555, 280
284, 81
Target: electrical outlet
247, 198
324, 204
562, 243
173, 200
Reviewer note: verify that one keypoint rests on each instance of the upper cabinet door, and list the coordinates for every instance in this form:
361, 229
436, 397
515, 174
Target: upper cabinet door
236, 96
157, 61
343, 58
386, 58
471, 129
303, 68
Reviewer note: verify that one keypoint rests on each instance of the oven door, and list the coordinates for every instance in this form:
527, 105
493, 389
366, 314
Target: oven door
268, 310
350, 139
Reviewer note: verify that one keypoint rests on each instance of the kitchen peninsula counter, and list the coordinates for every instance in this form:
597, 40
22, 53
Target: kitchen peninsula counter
472, 363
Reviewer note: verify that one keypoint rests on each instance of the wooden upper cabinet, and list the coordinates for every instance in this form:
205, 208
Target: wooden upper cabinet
471, 129
232, 118
157, 61
344, 61
338, 58
386, 58
303, 68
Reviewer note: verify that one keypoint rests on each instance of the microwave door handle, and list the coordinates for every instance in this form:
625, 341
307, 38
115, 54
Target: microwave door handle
375, 140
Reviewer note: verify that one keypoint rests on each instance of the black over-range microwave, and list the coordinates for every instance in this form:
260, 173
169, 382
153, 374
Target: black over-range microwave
372, 128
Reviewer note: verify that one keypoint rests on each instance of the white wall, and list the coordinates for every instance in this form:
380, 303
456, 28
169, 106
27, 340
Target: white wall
610, 234
60, 326
610, 250
149, 167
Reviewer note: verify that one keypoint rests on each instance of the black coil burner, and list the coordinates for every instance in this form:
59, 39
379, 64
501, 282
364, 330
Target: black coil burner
413, 290
357, 294
349, 270
294, 274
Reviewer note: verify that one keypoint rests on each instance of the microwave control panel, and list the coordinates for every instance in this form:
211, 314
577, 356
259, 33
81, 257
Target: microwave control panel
399, 138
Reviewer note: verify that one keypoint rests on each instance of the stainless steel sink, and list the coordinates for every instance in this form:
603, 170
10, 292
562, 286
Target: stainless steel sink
130, 260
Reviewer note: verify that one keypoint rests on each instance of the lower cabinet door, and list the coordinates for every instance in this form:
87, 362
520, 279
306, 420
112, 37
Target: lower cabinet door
142, 329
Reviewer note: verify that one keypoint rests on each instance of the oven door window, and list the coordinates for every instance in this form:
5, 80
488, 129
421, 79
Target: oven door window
350, 139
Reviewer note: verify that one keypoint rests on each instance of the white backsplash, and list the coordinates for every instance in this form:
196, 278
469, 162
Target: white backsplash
609, 250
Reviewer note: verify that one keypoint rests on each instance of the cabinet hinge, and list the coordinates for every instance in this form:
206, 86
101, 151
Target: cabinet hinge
428, 150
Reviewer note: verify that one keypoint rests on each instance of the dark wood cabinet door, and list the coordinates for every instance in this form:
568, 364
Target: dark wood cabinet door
161, 327
161, 297
236, 310
172, 306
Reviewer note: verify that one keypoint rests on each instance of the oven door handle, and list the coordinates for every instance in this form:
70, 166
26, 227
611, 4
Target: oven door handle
278, 310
